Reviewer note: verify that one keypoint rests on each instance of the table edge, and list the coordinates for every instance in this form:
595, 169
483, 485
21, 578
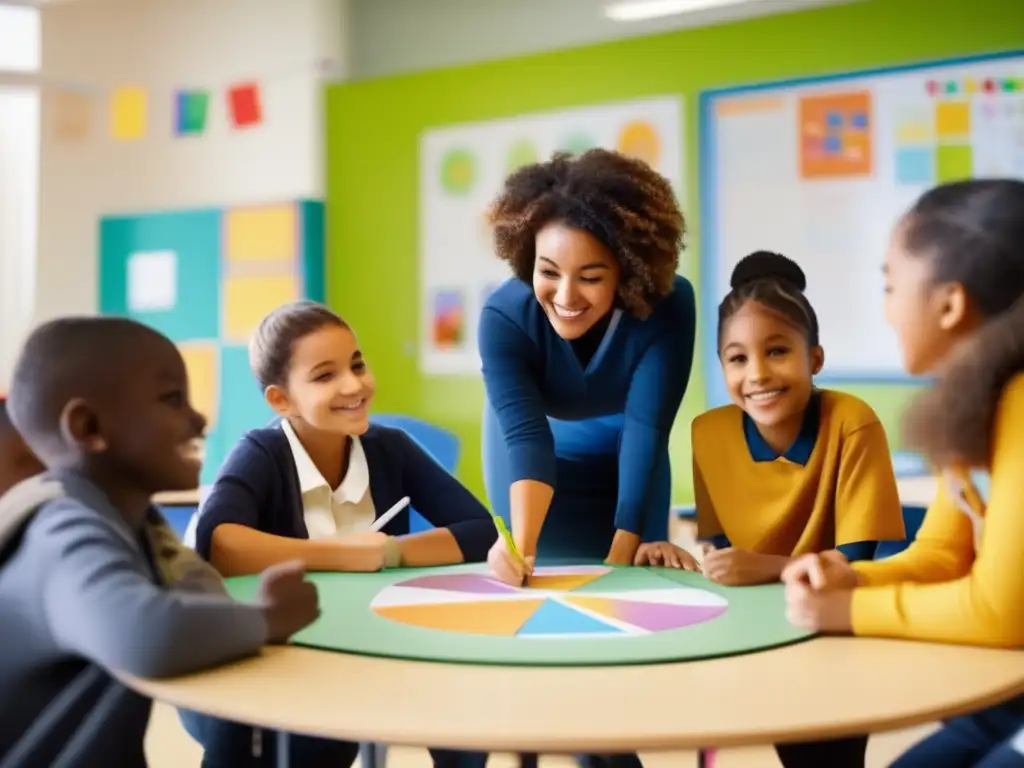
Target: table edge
164, 692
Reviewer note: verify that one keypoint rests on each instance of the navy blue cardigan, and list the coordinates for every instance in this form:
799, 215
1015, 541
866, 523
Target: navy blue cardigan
258, 487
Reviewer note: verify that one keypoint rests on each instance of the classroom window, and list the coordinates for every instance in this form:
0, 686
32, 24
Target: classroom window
20, 39
19, 192
20, 53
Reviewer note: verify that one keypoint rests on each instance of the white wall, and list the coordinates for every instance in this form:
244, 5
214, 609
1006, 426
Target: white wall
164, 45
19, 174
393, 36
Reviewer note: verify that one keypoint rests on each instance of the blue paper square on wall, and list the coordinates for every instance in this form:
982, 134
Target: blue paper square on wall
915, 166
163, 269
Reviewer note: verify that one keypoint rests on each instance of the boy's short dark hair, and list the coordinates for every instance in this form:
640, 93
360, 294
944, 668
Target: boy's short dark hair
271, 346
66, 358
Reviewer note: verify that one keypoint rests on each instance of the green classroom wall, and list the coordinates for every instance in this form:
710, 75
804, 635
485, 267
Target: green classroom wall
373, 130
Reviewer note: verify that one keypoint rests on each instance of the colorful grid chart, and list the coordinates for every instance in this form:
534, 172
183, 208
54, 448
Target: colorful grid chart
969, 127
548, 608
205, 278
835, 135
934, 143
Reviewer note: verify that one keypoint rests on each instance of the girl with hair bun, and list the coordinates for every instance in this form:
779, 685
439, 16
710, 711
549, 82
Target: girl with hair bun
954, 284
786, 469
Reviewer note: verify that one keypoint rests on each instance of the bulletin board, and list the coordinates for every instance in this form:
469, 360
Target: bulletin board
205, 278
821, 169
462, 169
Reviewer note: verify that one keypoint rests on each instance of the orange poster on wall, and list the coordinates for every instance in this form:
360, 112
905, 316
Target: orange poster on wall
835, 135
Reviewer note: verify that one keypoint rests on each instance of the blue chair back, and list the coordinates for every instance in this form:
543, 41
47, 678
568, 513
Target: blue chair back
178, 517
913, 516
441, 444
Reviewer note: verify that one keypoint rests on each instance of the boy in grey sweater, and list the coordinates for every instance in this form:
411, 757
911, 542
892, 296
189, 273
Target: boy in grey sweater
92, 579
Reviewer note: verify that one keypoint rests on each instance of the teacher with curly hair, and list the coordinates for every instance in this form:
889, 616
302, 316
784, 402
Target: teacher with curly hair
586, 357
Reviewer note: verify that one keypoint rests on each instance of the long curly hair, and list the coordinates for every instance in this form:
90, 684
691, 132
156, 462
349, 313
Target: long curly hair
623, 202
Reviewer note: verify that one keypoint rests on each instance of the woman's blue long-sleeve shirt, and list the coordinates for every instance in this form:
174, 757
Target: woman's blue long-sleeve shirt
640, 371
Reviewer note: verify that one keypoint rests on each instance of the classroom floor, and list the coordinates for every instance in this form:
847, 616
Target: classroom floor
169, 746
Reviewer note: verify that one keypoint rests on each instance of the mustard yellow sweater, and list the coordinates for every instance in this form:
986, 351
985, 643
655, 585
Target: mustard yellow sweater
959, 581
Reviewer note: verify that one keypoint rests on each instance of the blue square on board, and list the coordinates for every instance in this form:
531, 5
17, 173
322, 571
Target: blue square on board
834, 120
915, 166
859, 120
833, 146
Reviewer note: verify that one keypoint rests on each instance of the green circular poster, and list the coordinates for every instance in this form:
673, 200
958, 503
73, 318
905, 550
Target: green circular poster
458, 171
521, 153
569, 615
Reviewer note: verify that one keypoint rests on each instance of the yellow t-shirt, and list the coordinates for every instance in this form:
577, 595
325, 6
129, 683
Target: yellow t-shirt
834, 486
945, 587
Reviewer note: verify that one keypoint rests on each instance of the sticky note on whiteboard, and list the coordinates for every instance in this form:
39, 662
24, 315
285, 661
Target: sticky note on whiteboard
152, 281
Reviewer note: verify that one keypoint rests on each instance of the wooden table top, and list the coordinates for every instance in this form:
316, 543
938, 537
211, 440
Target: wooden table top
178, 498
822, 688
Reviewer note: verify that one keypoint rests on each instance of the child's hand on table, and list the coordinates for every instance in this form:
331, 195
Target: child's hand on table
827, 570
734, 567
827, 611
819, 592
364, 552
667, 554
289, 601
506, 566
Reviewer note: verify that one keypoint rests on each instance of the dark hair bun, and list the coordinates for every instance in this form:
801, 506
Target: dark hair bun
767, 265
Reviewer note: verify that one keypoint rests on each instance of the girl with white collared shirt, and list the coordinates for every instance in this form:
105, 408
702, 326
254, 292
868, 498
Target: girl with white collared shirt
310, 486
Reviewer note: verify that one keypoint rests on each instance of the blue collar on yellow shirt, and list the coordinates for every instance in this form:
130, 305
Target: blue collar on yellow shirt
800, 451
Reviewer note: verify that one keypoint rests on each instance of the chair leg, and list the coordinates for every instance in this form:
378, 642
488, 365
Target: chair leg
373, 755
283, 747
706, 758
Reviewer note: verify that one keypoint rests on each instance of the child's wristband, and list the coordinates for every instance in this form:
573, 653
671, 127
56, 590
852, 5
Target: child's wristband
392, 553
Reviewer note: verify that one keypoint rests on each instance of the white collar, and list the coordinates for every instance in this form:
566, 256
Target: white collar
353, 486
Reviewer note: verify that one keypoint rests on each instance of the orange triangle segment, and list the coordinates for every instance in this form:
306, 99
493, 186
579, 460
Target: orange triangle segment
495, 617
562, 581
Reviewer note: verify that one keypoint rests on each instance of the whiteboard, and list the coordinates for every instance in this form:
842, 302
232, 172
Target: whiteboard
820, 170
462, 170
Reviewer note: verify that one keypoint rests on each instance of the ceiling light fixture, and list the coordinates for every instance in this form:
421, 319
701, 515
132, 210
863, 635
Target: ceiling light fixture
654, 9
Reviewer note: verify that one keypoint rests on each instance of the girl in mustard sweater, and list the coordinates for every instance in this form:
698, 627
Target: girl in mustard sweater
954, 277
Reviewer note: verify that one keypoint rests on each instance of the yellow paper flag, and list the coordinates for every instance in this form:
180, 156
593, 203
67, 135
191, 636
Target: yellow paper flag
128, 113
71, 115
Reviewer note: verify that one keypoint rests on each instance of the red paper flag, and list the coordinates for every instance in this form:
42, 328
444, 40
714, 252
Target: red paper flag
244, 104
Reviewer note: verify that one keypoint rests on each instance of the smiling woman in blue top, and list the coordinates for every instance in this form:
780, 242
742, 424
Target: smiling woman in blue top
586, 356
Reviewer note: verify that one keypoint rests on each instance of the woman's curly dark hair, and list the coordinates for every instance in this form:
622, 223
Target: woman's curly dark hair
623, 202
973, 234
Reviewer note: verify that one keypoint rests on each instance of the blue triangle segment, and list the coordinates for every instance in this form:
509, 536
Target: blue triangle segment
555, 618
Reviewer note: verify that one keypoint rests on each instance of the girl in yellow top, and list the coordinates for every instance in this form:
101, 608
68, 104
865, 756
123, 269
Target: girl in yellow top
955, 297
786, 469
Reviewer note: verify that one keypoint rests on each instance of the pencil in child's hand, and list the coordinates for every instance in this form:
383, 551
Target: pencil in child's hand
388, 516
